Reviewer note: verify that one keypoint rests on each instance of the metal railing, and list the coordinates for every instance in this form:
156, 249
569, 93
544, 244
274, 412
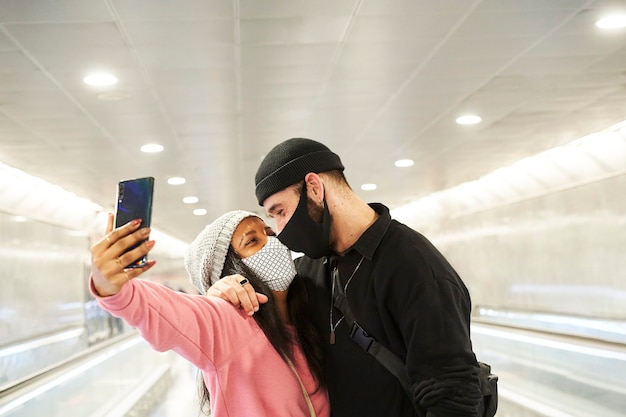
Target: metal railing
111, 378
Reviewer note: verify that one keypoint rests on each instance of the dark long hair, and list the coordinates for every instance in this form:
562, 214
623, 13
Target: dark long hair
274, 329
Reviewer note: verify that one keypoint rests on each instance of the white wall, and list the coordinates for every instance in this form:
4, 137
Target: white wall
564, 252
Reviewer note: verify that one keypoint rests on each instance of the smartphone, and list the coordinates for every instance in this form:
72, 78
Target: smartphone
134, 201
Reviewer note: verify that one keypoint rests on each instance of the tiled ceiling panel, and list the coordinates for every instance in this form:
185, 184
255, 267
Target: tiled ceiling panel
218, 83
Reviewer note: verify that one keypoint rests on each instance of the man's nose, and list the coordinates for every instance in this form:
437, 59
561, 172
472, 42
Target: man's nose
280, 225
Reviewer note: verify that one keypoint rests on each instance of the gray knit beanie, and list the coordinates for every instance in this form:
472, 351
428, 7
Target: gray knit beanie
206, 255
289, 162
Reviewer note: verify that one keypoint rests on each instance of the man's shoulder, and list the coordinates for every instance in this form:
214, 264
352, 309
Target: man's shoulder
399, 237
313, 273
309, 266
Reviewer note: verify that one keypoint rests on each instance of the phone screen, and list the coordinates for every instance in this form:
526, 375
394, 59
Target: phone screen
134, 201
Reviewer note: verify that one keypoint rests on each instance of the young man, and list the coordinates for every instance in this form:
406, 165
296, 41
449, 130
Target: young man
400, 288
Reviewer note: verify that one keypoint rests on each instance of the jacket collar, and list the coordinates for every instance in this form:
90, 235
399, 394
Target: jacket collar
371, 238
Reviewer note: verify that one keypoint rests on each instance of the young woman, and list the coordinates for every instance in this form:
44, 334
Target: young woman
269, 364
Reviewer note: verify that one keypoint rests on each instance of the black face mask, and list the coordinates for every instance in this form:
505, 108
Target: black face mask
303, 234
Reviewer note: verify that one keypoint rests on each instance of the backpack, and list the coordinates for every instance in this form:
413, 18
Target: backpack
488, 382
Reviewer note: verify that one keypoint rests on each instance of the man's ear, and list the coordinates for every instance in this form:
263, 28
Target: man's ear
314, 187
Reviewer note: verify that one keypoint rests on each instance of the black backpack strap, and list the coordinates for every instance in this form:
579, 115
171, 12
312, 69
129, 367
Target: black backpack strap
383, 355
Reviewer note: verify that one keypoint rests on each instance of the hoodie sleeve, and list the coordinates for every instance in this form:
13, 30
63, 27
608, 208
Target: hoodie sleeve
204, 330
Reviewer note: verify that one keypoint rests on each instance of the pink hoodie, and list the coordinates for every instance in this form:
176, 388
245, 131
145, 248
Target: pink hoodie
242, 370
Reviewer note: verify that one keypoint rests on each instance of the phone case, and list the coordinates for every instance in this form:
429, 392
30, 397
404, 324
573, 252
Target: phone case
134, 201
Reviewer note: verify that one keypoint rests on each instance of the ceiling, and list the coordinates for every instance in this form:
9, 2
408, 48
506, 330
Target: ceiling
218, 83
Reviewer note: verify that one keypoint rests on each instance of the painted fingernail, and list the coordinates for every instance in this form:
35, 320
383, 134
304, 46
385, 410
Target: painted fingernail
135, 222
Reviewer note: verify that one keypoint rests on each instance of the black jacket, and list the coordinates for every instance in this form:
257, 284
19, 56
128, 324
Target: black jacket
407, 296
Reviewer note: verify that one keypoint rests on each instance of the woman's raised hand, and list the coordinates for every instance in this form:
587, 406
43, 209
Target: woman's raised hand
109, 257
239, 292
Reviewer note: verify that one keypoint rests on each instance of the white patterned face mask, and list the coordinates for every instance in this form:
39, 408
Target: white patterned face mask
273, 264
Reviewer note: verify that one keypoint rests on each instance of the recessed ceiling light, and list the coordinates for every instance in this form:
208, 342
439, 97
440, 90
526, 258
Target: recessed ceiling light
615, 21
468, 119
113, 96
403, 163
100, 79
368, 187
176, 181
190, 200
199, 212
152, 148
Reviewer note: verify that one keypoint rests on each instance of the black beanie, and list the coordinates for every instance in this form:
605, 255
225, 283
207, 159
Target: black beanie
289, 162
